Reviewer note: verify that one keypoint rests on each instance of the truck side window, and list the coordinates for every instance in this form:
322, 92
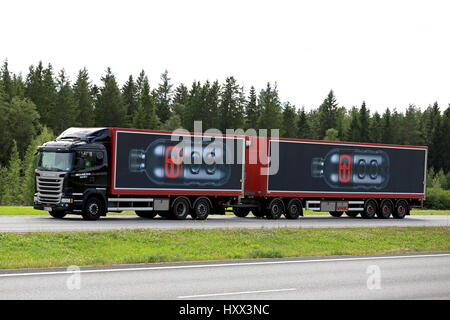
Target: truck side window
88, 159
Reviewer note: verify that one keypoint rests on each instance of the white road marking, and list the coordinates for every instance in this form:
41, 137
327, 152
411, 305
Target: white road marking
234, 293
218, 265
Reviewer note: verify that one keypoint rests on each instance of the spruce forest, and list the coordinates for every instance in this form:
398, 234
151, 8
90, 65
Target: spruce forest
38, 106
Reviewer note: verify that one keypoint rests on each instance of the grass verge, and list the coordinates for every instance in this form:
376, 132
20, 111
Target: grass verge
12, 210
47, 249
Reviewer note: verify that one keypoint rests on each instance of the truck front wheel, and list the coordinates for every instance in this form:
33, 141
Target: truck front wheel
58, 214
93, 209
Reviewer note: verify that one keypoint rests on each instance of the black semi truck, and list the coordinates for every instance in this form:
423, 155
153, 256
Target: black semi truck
92, 171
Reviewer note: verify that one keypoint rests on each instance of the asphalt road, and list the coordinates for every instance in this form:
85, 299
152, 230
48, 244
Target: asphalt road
76, 223
417, 276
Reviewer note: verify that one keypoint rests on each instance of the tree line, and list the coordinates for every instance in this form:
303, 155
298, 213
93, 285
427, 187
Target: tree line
43, 103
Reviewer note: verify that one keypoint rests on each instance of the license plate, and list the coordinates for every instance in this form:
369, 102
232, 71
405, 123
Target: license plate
48, 208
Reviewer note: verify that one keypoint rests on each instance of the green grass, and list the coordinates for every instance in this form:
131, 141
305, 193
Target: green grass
48, 249
12, 210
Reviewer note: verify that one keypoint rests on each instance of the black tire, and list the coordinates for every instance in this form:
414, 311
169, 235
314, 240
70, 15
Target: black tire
386, 209
370, 209
146, 214
294, 209
401, 209
258, 213
180, 208
275, 210
241, 212
93, 209
352, 214
58, 214
336, 214
202, 209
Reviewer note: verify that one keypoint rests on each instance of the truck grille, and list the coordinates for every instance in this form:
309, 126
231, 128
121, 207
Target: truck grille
49, 190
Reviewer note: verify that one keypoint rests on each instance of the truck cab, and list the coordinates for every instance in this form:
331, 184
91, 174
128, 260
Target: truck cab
71, 169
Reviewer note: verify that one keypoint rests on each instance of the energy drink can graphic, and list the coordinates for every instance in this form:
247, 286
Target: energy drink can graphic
353, 168
166, 162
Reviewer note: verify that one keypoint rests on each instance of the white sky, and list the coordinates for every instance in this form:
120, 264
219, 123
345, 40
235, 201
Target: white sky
389, 53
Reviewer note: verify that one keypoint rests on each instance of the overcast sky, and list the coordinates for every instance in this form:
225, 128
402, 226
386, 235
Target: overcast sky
388, 53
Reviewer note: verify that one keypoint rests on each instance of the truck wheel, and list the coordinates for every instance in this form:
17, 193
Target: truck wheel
370, 208
258, 213
401, 209
180, 208
386, 209
336, 214
275, 209
202, 209
146, 214
351, 213
294, 209
58, 214
93, 209
241, 212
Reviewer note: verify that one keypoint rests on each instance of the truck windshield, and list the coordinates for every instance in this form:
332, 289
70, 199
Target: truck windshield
55, 161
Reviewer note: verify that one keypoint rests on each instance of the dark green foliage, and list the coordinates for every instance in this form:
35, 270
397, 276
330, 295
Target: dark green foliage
83, 99
109, 108
327, 114
163, 96
66, 111
252, 110
271, 111
289, 121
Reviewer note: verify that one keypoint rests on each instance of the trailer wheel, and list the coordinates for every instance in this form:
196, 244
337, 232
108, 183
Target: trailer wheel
352, 214
93, 209
202, 209
294, 209
276, 209
146, 214
401, 209
386, 209
180, 208
370, 209
241, 212
58, 214
336, 214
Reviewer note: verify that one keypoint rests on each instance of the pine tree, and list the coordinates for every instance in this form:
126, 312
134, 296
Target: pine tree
181, 94
3, 185
163, 96
376, 128
354, 130
5, 136
327, 114
271, 111
387, 127
231, 106
303, 125
252, 110
12, 194
30, 163
130, 99
192, 109
83, 99
7, 82
411, 127
145, 116
364, 118
289, 121
109, 109
66, 112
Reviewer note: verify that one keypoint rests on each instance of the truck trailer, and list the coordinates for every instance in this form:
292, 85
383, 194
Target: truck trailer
93, 171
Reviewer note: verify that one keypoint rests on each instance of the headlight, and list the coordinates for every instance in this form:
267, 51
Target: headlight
66, 200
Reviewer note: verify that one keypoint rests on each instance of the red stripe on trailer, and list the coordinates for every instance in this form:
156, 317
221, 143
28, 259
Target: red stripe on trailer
375, 195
